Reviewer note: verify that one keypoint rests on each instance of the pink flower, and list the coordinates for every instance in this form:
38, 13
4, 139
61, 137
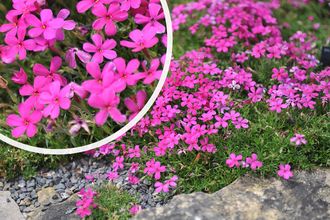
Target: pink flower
135, 152
20, 77
108, 17
276, 104
253, 162
40, 84
118, 164
141, 40
153, 73
25, 122
133, 179
112, 175
135, 208
47, 25
172, 182
162, 187
152, 21
128, 4
101, 49
285, 171
102, 80
158, 169
85, 5
107, 102
55, 99
136, 104
127, 74
70, 57
67, 24
52, 73
19, 46
298, 139
12, 27
233, 160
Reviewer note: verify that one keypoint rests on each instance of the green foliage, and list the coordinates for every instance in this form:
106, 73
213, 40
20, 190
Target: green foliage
113, 203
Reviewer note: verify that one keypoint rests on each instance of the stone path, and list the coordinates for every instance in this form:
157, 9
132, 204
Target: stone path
305, 197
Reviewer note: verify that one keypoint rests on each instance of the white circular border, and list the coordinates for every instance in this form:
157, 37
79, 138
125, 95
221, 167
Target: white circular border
128, 126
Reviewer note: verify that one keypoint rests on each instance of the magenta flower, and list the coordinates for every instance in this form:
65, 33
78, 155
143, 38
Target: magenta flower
107, 103
52, 73
55, 99
285, 171
153, 73
85, 5
70, 57
101, 49
141, 40
102, 80
125, 73
161, 187
233, 160
20, 77
112, 175
47, 26
135, 208
253, 162
19, 46
136, 104
298, 139
152, 21
25, 122
67, 24
108, 17
158, 169
12, 27
276, 104
40, 84
128, 4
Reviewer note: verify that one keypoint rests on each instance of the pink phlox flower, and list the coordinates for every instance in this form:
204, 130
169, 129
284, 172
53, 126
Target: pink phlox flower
18, 45
134, 152
234, 160
55, 99
101, 49
298, 139
161, 187
46, 27
151, 21
135, 208
108, 17
20, 77
140, 40
25, 122
107, 103
118, 164
112, 175
153, 73
70, 57
285, 171
253, 162
136, 103
52, 73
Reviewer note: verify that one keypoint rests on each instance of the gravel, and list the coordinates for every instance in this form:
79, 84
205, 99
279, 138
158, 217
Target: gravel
70, 179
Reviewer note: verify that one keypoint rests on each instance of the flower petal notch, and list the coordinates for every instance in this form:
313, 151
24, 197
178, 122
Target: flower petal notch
80, 74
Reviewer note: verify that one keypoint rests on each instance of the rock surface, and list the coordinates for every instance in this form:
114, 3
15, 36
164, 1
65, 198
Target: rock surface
306, 196
9, 210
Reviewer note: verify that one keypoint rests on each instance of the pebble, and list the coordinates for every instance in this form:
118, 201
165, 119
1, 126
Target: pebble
69, 179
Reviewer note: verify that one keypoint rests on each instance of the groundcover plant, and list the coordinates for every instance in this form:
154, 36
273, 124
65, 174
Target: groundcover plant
246, 94
74, 72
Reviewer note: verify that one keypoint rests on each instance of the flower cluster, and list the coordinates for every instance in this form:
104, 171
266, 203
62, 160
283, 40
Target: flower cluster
236, 161
55, 94
86, 203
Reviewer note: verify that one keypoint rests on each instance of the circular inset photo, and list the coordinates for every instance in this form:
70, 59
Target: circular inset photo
75, 75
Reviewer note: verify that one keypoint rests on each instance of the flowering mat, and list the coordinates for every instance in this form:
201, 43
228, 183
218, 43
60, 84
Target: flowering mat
76, 72
247, 93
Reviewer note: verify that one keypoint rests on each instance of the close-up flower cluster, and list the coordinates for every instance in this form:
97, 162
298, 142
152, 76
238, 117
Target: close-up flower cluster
73, 69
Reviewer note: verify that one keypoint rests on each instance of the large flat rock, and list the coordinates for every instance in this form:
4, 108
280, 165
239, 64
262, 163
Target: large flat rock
9, 210
305, 197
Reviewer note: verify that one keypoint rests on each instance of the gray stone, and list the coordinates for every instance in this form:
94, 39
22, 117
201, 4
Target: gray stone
304, 197
9, 210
